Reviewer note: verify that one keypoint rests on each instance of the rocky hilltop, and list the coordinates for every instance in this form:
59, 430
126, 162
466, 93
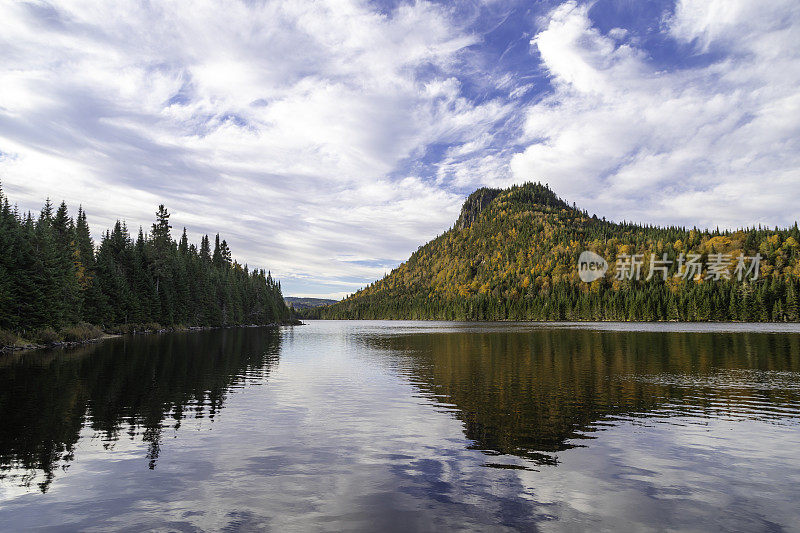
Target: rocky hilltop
513, 254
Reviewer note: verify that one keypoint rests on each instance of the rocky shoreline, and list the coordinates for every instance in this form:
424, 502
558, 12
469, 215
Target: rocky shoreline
29, 346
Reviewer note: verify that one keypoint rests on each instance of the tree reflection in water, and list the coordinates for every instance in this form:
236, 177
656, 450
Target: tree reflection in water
138, 385
535, 393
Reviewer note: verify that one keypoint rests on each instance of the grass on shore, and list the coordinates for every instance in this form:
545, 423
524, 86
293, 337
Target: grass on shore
83, 332
47, 336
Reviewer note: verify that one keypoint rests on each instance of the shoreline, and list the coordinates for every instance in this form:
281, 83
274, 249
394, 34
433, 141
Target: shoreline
603, 325
564, 321
30, 346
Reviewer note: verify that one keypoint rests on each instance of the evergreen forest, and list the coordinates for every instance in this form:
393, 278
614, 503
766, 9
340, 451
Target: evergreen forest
56, 283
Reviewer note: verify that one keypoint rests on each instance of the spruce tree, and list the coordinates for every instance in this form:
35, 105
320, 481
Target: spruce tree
161, 246
29, 282
66, 251
216, 259
8, 228
672, 310
792, 307
49, 270
205, 249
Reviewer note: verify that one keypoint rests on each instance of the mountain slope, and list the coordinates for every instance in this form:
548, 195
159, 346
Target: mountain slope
513, 254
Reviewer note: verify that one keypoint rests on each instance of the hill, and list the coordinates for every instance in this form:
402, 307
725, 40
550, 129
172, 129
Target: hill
513, 254
307, 303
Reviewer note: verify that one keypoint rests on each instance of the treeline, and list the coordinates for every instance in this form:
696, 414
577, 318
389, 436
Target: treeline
513, 254
766, 302
53, 276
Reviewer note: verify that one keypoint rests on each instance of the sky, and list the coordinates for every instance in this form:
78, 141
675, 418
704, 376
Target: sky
326, 141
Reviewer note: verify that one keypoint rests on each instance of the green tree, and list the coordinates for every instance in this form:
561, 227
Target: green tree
161, 241
792, 307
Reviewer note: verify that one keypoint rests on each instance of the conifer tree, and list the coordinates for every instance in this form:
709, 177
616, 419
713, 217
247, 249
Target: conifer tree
65, 248
8, 227
49, 270
792, 307
161, 246
29, 281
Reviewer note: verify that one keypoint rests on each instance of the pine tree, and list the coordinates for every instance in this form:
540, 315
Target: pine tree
224, 253
29, 282
183, 246
65, 247
8, 227
48, 270
161, 246
205, 249
777, 312
94, 304
792, 307
216, 259
672, 310
111, 275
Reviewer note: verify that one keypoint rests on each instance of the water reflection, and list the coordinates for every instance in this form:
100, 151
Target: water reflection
368, 426
132, 386
542, 391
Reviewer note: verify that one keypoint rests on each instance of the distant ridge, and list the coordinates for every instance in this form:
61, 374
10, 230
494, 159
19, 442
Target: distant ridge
512, 254
307, 303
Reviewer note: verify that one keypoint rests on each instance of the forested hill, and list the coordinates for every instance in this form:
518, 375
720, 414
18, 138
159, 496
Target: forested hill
513, 254
52, 276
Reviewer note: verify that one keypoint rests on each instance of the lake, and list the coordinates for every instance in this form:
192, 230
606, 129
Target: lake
408, 426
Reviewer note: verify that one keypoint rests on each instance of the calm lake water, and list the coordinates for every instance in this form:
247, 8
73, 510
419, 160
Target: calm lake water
408, 426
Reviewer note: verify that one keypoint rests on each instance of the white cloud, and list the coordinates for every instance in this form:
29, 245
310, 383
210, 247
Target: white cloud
280, 124
717, 144
327, 140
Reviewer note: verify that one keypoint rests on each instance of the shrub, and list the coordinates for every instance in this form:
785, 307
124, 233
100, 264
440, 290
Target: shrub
45, 336
81, 332
120, 329
7, 338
